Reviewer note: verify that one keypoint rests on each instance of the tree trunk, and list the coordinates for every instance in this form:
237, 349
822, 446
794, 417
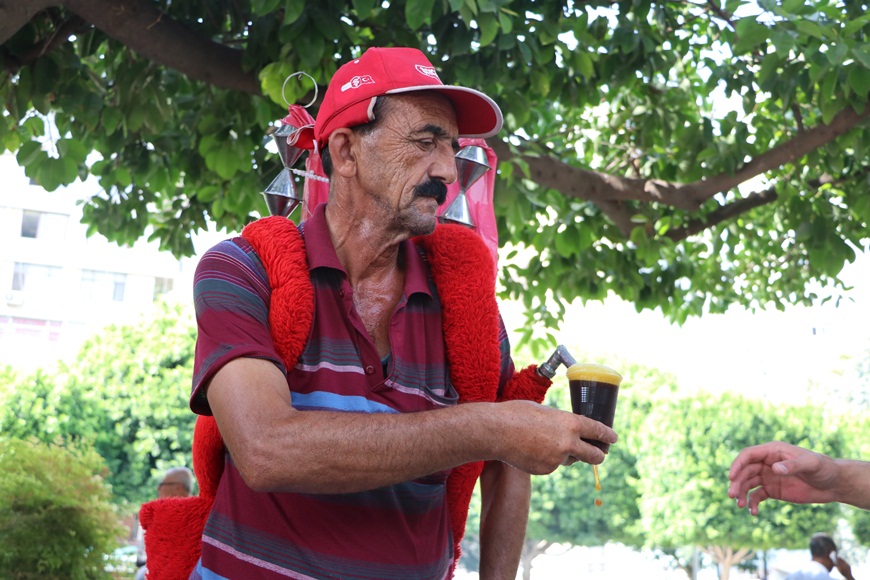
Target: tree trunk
725, 557
531, 550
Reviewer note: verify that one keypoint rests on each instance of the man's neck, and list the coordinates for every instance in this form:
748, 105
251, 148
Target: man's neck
826, 562
365, 248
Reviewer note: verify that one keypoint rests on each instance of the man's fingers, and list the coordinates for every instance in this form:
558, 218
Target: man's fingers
757, 496
592, 429
589, 453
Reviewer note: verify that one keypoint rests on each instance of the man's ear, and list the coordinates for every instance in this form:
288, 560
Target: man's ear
341, 150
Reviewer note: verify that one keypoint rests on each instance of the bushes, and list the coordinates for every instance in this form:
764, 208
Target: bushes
57, 519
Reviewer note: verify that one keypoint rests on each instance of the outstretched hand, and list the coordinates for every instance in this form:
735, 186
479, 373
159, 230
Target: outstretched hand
781, 471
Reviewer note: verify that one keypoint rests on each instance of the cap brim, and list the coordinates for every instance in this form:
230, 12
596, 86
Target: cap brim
477, 116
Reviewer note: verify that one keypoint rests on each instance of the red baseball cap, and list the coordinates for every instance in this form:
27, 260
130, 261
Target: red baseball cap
351, 94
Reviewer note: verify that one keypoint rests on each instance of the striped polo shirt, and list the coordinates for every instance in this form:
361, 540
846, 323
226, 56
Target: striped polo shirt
399, 531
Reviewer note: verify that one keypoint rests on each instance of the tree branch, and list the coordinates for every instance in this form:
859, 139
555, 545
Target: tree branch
619, 214
722, 214
572, 181
71, 26
15, 14
712, 7
142, 27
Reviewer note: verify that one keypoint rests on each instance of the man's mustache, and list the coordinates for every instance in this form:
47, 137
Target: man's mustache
432, 188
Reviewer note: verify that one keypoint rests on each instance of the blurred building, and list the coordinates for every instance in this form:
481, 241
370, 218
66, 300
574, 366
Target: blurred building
57, 285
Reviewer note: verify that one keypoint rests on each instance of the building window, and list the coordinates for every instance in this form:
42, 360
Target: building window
162, 286
100, 286
43, 225
118, 283
34, 277
30, 224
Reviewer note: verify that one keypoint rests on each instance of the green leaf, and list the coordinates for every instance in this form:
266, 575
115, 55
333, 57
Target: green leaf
584, 64
829, 85
505, 21
564, 245
111, 118
489, 28
488, 5
272, 78
313, 52
263, 7
793, 6
363, 7
28, 153
859, 79
293, 9
749, 35
811, 28
51, 174
769, 66
836, 54
855, 25
73, 150
455, 5
418, 13
862, 55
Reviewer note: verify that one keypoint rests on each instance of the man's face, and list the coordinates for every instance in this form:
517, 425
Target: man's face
406, 163
171, 487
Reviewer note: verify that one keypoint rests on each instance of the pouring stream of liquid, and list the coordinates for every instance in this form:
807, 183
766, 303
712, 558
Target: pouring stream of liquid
598, 501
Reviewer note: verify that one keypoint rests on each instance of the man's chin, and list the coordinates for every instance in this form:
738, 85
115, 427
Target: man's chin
423, 225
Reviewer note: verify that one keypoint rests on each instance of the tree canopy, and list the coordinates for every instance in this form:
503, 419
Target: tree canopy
687, 447
125, 395
57, 519
620, 168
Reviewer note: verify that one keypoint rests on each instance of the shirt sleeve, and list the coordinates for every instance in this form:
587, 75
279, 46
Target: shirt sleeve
231, 297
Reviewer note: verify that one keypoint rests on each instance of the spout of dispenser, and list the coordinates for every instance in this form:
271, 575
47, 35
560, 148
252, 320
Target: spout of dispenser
559, 356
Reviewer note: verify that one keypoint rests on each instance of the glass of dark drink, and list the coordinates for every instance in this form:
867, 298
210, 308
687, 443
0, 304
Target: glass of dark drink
594, 389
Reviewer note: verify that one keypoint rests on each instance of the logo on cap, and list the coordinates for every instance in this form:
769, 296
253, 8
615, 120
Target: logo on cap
429, 71
357, 81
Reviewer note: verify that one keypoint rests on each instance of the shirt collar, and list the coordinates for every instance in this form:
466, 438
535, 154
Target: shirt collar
321, 254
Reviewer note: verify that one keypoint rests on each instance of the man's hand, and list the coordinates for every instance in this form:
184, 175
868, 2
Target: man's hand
844, 568
781, 471
538, 439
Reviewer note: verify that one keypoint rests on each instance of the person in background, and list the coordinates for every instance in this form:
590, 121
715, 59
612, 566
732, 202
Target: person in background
778, 470
176, 482
824, 558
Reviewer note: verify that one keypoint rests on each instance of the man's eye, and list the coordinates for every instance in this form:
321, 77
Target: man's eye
427, 143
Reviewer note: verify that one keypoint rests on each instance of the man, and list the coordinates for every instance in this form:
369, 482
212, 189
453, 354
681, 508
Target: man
176, 482
824, 553
786, 472
343, 474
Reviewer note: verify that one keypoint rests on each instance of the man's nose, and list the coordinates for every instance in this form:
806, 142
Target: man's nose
444, 167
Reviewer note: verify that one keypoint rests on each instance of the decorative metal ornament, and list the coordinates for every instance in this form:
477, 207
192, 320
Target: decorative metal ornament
281, 196
289, 155
471, 165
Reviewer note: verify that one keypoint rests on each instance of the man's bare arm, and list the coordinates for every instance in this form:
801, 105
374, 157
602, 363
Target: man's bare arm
278, 448
789, 473
505, 495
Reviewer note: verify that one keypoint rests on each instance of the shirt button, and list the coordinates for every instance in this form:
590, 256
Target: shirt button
370, 370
